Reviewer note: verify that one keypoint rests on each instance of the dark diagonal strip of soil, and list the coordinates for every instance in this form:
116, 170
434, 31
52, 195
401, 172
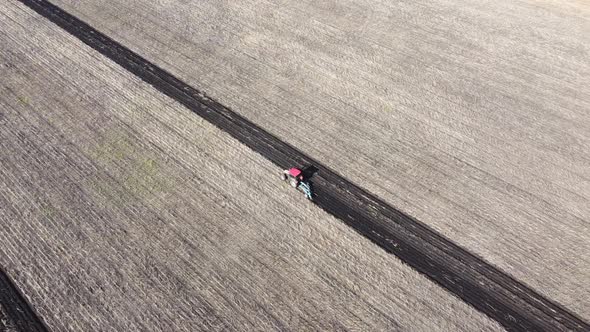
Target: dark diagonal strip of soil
508, 301
20, 315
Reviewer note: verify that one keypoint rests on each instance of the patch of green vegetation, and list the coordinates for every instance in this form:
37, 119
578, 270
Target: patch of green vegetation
48, 211
149, 166
23, 100
142, 176
106, 194
145, 178
112, 148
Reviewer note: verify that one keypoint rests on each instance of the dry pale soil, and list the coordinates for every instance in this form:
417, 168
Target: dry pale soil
123, 211
472, 116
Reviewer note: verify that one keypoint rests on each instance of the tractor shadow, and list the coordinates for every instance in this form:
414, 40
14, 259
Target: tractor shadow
308, 172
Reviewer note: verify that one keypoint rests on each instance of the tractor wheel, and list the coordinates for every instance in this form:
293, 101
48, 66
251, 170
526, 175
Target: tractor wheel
293, 182
284, 177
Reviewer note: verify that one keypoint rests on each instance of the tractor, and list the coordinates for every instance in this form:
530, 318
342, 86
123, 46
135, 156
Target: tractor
296, 179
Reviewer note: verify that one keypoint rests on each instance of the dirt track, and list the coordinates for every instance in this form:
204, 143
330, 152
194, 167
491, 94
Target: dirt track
121, 211
470, 116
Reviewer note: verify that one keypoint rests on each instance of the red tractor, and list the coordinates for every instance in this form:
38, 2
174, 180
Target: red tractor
297, 180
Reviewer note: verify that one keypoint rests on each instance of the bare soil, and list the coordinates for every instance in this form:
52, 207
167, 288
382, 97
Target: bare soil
471, 117
123, 211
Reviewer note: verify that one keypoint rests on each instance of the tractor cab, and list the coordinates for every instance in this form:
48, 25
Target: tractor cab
294, 176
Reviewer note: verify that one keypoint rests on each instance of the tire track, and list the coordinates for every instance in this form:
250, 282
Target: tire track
511, 303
